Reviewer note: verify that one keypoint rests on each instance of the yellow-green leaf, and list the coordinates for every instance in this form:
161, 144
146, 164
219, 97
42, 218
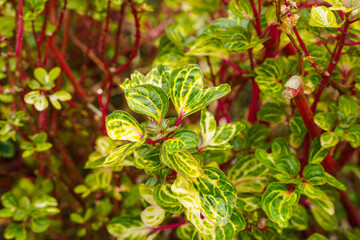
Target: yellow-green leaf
182, 162
121, 126
148, 100
323, 17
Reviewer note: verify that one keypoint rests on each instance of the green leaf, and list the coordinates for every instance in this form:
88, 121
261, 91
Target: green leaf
317, 236
325, 121
6, 213
61, 95
128, 228
208, 46
148, 100
182, 162
159, 77
183, 139
164, 196
248, 202
299, 218
248, 175
37, 99
329, 139
324, 203
277, 202
325, 220
121, 126
217, 195
225, 133
54, 73
323, 17
41, 147
316, 152
229, 231
242, 9
77, 218
280, 158
353, 136
117, 158
147, 193
310, 190
41, 75
39, 224
34, 85
152, 215
269, 75
239, 43
187, 93
271, 112
16, 231
207, 125
348, 105
314, 174
9, 200
297, 126
330, 179
54, 102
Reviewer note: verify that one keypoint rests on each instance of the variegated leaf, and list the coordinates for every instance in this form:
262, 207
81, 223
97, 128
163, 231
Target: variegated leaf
148, 100
226, 132
183, 139
277, 202
314, 174
152, 216
164, 196
324, 219
182, 162
128, 228
217, 195
329, 139
118, 156
310, 190
159, 77
248, 175
208, 126
147, 193
248, 202
316, 152
121, 126
299, 219
331, 180
269, 75
187, 93
323, 17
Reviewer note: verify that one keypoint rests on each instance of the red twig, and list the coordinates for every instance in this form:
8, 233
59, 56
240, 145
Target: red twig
174, 225
20, 29
78, 89
334, 60
137, 39
102, 53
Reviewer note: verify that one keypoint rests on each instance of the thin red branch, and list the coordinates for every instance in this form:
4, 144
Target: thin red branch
78, 89
137, 39
20, 28
102, 46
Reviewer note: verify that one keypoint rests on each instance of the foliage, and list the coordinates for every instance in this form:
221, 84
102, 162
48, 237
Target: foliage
232, 119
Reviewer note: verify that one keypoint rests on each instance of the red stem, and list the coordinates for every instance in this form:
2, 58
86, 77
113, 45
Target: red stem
174, 225
21, 29
78, 89
137, 40
352, 212
254, 102
352, 44
102, 54
307, 115
334, 61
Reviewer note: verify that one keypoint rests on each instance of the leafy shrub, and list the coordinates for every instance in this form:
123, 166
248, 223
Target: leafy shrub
244, 126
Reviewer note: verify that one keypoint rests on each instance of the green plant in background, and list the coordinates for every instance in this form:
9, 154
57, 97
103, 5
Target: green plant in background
229, 119
45, 82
